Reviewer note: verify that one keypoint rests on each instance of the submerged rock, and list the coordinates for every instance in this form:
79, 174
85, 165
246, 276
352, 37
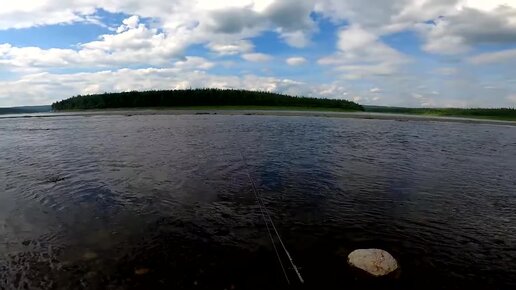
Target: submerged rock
141, 271
54, 179
374, 261
89, 256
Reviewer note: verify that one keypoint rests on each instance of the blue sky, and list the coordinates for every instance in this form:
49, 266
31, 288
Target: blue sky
419, 53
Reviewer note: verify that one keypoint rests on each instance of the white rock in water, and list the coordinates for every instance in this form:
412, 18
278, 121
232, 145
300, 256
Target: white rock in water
374, 261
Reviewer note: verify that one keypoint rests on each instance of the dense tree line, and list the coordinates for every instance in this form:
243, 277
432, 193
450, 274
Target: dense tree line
197, 97
501, 113
25, 110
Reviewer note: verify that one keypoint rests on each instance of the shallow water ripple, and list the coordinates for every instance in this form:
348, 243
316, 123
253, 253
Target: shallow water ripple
163, 201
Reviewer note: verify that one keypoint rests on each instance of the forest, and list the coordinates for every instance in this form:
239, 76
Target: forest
198, 97
25, 110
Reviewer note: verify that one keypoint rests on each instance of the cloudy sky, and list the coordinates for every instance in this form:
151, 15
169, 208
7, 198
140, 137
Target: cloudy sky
459, 53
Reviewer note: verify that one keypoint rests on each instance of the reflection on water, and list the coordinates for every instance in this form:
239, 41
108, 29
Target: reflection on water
163, 202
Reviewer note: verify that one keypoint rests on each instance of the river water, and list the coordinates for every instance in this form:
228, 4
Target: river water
164, 202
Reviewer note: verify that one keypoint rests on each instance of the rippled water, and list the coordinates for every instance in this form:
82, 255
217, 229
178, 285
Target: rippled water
164, 202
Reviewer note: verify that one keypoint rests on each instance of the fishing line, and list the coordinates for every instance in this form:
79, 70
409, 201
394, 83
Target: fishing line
266, 216
263, 213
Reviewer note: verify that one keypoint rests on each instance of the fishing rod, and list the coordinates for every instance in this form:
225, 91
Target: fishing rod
266, 216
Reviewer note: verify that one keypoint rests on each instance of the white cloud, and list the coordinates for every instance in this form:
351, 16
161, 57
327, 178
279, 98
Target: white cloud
134, 44
289, 18
137, 41
457, 23
447, 26
355, 38
446, 71
292, 19
357, 99
512, 99
44, 88
489, 5
185, 21
231, 48
385, 16
494, 57
158, 33
256, 57
361, 54
27, 13
129, 23
297, 39
466, 27
375, 90
434, 99
194, 63
295, 61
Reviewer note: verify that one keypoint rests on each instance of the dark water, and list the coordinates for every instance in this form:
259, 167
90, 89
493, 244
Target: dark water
164, 202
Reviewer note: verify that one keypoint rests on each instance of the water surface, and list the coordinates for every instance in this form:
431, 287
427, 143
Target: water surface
164, 202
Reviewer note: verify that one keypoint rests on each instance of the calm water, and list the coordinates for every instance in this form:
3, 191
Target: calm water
164, 202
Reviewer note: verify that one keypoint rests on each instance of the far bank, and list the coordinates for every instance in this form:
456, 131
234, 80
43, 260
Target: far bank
270, 111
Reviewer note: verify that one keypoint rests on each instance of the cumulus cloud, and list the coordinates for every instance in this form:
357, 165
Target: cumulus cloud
231, 47
129, 23
512, 99
355, 38
135, 43
458, 32
446, 26
297, 39
194, 63
460, 22
256, 57
361, 54
494, 57
233, 20
23, 13
157, 35
295, 61
200, 21
446, 71
44, 88
293, 21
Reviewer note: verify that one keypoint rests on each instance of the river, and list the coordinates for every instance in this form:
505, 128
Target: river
164, 201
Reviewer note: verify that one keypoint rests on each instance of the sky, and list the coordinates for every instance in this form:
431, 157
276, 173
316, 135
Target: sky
417, 53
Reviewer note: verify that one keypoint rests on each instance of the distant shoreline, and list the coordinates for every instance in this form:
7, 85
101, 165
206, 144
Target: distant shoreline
233, 99
308, 112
